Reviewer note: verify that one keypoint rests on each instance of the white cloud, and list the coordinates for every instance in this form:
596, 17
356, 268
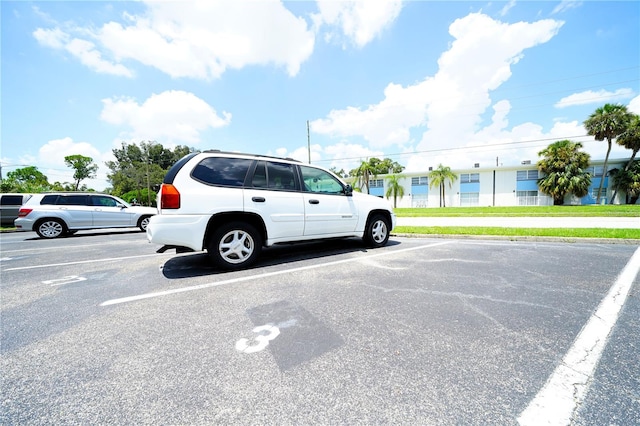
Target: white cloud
449, 104
50, 161
566, 5
83, 50
507, 7
594, 97
198, 39
634, 105
359, 21
169, 117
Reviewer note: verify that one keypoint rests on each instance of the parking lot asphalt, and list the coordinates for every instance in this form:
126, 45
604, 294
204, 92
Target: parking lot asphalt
99, 329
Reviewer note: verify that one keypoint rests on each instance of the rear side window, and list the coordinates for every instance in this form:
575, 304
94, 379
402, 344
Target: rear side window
11, 200
49, 199
281, 176
274, 176
72, 200
222, 171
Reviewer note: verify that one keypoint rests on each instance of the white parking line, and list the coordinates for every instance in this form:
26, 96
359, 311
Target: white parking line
261, 276
80, 262
563, 393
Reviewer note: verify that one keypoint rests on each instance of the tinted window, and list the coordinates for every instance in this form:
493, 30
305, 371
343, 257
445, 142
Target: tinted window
260, 176
11, 200
49, 199
280, 176
222, 171
101, 200
72, 200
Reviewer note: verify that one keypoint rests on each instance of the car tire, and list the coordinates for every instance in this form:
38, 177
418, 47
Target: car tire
143, 222
235, 245
377, 232
51, 228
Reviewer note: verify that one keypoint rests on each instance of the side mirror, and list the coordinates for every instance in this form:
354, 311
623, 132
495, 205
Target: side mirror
348, 191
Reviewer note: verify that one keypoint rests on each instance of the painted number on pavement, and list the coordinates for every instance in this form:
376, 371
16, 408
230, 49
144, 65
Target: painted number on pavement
266, 333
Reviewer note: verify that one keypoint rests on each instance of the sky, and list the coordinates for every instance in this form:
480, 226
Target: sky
334, 82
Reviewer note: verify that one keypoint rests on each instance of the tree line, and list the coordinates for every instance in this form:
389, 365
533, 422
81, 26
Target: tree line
134, 175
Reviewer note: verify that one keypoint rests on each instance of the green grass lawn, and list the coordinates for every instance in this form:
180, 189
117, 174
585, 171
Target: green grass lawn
524, 211
631, 234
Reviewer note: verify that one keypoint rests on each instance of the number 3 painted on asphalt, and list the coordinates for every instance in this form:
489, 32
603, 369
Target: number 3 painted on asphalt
262, 340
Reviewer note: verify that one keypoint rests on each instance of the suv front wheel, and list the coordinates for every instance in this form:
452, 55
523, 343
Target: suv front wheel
235, 245
377, 232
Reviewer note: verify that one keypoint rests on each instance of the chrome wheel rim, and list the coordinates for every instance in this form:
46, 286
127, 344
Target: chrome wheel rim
51, 229
236, 247
379, 231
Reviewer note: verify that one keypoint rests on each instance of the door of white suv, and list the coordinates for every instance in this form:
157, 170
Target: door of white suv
273, 192
328, 210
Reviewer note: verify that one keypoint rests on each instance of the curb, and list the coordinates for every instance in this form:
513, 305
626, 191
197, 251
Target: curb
571, 240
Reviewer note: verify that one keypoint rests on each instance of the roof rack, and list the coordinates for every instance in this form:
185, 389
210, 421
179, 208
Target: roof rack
217, 151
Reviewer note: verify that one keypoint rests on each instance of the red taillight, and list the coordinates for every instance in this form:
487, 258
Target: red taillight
169, 196
24, 212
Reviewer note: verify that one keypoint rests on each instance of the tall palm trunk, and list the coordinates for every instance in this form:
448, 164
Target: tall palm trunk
626, 168
604, 171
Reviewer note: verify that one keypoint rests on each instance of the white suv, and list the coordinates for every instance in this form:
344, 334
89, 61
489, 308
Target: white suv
234, 204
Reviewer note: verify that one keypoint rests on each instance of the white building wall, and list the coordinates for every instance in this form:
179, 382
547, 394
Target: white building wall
504, 191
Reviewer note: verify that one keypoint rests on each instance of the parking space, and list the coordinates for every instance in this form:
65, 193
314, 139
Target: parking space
101, 329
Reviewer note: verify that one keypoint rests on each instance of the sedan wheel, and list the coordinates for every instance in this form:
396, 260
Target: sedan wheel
144, 222
50, 229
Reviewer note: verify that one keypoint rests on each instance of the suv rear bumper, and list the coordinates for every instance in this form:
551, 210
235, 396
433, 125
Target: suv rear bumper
178, 230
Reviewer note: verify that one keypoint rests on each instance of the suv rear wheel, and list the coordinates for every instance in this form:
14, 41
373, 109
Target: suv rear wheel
235, 245
377, 232
51, 228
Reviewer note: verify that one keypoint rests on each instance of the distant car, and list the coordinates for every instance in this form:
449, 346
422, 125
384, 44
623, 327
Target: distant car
53, 215
9, 206
233, 204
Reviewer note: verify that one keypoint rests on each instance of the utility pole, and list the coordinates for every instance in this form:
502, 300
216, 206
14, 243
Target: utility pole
308, 142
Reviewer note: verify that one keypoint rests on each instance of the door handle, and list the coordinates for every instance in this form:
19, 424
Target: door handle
314, 202
258, 199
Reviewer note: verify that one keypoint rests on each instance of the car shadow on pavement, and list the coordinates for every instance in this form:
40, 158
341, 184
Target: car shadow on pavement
198, 264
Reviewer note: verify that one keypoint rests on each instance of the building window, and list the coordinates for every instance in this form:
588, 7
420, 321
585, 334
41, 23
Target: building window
527, 175
595, 171
469, 177
603, 194
527, 198
419, 181
376, 183
469, 199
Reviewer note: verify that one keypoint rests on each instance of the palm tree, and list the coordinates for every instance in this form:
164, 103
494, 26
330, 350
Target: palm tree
363, 173
439, 177
628, 180
607, 122
564, 168
630, 139
394, 188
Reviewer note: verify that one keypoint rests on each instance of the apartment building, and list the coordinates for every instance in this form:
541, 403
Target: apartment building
493, 186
